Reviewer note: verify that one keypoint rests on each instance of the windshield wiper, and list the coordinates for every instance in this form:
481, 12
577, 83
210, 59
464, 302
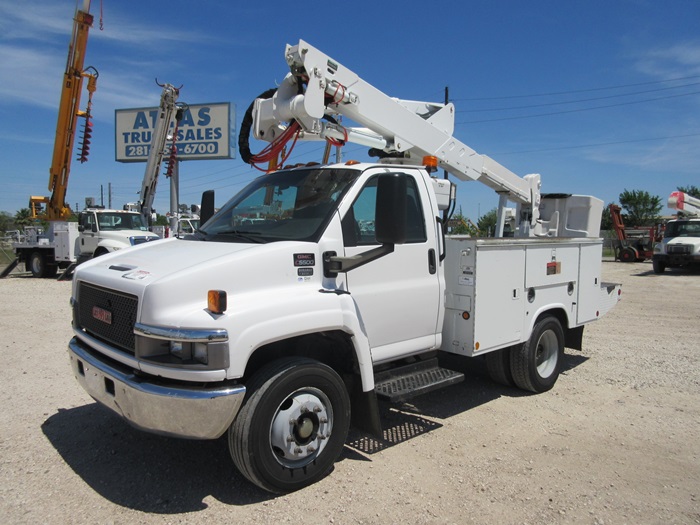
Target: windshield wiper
248, 236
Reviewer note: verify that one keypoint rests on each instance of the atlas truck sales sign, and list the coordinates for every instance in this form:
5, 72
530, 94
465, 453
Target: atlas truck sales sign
203, 133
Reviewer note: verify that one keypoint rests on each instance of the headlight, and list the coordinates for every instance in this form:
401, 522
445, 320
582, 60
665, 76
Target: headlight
185, 351
200, 353
183, 348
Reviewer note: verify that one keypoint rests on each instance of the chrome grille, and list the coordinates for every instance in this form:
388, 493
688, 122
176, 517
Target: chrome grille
680, 249
141, 240
107, 315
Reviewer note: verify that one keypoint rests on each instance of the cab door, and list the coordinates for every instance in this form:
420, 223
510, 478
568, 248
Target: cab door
398, 295
89, 237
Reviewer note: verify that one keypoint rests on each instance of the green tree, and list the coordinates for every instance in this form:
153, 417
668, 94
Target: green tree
642, 208
606, 219
460, 225
487, 223
23, 218
161, 220
6, 221
691, 190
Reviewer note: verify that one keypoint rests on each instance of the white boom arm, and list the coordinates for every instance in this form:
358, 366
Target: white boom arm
166, 114
317, 85
688, 204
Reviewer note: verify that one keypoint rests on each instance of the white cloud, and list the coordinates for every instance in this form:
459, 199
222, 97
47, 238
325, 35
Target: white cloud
31, 76
34, 44
674, 155
675, 61
34, 21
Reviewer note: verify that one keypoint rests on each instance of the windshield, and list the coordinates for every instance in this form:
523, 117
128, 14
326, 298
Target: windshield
121, 221
189, 225
682, 229
286, 205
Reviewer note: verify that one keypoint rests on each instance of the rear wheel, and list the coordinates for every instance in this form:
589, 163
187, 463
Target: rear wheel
536, 364
51, 270
37, 264
498, 366
292, 425
628, 254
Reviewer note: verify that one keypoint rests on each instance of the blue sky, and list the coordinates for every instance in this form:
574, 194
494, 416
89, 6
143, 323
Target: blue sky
596, 96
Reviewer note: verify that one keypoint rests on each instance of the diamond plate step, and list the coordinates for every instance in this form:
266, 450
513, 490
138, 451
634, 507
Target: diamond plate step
405, 382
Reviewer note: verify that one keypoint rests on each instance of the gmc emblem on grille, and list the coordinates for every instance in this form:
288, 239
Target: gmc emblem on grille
102, 315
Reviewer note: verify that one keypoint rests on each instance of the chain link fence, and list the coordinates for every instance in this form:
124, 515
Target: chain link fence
7, 254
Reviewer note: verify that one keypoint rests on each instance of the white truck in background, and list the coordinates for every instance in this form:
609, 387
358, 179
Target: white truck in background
680, 247
97, 232
319, 288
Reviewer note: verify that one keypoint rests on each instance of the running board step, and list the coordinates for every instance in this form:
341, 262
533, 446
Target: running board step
405, 382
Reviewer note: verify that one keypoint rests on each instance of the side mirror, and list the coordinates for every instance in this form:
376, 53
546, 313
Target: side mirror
390, 215
81, 228
389, 226
94, 227
207, 208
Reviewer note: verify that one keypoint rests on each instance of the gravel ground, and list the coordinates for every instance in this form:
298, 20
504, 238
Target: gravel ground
616, 441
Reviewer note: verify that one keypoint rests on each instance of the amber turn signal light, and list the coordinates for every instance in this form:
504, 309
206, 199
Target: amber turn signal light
216, 301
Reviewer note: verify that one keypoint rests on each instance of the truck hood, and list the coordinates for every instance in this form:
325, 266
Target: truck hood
168, 259
122, 234
171, 277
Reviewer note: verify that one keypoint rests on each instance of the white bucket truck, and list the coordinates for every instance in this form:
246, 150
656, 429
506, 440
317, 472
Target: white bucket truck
65, 244
319, 288
680, 247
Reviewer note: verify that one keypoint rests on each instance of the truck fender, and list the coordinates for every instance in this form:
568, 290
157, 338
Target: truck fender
324, 311
111, 245
558, 310
360, 341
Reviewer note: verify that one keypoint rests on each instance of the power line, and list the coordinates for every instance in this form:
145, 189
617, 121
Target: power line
580, 146
577, 110
579, 90
578, 100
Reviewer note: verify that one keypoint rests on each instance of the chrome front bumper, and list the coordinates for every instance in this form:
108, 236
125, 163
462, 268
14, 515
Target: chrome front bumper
169, 409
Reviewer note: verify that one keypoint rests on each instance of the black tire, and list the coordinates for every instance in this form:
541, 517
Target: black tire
658, 266
628, 254
536, 364
37, 264
99, 252
51, 270
292, 426
498, 366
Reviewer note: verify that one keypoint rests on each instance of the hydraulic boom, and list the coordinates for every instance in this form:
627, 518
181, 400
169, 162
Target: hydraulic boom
68, 113
319, 87
168, 112
686, 204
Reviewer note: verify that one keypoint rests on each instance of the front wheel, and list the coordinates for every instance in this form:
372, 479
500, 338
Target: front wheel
536, 363
658, 266
292, 425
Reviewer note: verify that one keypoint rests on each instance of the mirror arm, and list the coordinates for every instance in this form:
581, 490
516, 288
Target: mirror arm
333, 265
